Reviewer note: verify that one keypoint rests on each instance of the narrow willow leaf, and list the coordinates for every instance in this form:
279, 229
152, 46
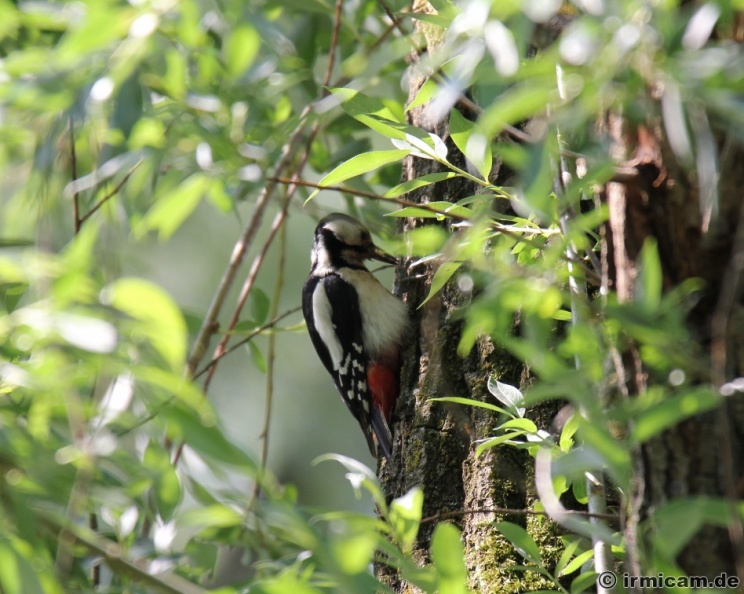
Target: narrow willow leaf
356, 103
359, 165
158, 318
418, 182
425, 212
577, 562
497, 441
521, 540
469, 402
174, 207
440, 279
670, 412
649, 284
448, 557
424, 95
405, 516
471, 142
566, 556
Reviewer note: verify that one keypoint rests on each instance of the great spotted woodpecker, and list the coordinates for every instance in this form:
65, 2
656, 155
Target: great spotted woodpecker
356, 325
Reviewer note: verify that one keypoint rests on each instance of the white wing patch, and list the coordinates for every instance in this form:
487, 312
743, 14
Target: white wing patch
324, 325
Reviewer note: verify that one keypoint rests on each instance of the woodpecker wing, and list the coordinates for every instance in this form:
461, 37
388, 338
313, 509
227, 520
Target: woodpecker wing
337, 336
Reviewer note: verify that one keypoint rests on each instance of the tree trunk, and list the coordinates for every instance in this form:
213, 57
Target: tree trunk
701, 237
434, 441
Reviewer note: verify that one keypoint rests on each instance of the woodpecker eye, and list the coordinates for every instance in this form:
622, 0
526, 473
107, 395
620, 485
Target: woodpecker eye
364, 236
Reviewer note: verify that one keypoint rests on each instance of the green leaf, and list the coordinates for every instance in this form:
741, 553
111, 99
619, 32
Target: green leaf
471, 142
260, 305
566, 555
448, 557
469, 402
676, 522
174, 207
425, 213
648, 286
257, 356
206, 438
419, 182
521, 541
517, 104
405, 517
523, 424
425, 94
359, 165
668, 413
217, 515
241, 48
161, 322
507, 395
576, 563
585, 581
356, 103
441, 276
496, 441
615, 454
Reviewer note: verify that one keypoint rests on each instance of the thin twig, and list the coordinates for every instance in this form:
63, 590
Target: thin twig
510, 511
245, 340
507, 229
112, 193
210, 325
270, 360
73, 165
334, 43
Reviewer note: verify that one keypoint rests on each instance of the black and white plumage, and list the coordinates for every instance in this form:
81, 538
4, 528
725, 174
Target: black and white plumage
357, 326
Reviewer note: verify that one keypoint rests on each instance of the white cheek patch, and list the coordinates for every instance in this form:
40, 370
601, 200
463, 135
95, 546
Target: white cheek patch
348, 232
323, 324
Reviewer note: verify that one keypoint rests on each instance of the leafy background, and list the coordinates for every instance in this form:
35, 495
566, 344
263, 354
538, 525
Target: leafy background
140, 140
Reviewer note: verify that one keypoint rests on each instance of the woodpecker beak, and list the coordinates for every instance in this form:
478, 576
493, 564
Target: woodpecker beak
378, 254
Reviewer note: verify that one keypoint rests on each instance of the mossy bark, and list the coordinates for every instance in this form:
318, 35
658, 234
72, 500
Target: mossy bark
435, 442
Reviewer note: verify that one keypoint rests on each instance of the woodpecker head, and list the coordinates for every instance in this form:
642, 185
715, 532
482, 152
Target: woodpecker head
341, 240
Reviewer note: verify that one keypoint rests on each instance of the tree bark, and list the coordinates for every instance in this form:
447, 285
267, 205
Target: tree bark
434, 442
698, 237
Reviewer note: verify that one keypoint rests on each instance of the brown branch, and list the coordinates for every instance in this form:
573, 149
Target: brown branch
246, 339
111, 194
508, 510
209, 325
334, 45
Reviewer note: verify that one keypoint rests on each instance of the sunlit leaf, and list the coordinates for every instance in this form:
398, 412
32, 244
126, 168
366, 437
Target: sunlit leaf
507, 395
241, 47
418, 182
173, 208
359, 165
405, 516
441, 276
425, 94
447, 555
521, 541
649, 283
161, 320
471, 142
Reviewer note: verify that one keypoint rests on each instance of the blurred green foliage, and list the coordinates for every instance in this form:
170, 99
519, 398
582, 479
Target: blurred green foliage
133, 114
